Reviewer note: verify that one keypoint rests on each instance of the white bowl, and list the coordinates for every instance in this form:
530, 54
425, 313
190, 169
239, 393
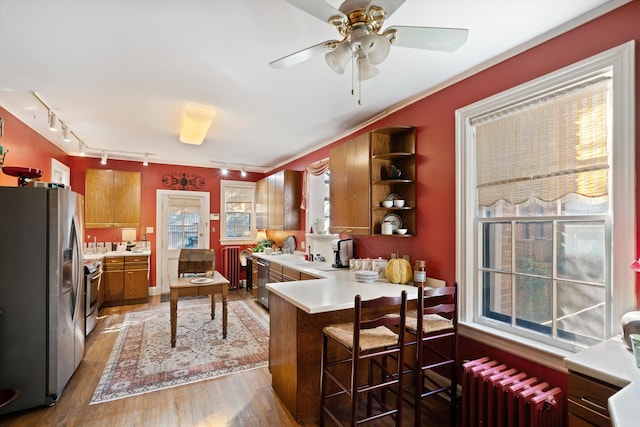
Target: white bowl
401, 231
398, 203
387, 203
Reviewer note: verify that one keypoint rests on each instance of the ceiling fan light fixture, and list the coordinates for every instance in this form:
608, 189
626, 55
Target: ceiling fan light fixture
196, 121
376, 48
366, 70
339, 57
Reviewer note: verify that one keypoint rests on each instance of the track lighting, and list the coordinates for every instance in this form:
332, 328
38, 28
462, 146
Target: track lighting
103, 158
243, 172
53, 119
81, 148
145, 162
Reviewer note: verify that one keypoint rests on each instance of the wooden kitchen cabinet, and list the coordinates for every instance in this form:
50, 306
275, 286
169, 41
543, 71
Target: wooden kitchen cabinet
125, 279
112, 199
360, 180
349, 187
278, 201
588, 401
290, 275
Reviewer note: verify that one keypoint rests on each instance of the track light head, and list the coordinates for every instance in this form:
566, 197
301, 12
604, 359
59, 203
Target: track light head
53, 121
66, 134
103, 158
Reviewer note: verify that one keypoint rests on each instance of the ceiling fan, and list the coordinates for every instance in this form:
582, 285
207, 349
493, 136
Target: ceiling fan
359, 22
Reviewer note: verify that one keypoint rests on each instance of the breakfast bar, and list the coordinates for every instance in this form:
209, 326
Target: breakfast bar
299, 311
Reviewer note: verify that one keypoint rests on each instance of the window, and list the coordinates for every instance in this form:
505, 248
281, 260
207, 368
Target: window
544, 188
237, 222
318, 200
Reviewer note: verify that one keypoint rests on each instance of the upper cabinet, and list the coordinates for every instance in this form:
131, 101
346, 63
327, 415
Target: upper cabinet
112, 199
367, 170
278, 198
349, 187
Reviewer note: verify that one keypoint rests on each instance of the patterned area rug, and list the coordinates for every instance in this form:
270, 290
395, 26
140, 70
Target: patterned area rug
142, 359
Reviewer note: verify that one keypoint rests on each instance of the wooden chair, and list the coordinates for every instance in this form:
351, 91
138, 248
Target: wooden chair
435, 328
196, 261
371, 335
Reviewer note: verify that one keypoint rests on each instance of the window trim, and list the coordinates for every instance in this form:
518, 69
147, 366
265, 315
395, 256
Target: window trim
224, 183
621, 60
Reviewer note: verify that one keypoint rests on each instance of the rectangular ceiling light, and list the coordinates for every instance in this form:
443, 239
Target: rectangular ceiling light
196, 120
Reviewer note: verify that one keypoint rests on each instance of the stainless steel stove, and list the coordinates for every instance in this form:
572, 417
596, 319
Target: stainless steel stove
92, 280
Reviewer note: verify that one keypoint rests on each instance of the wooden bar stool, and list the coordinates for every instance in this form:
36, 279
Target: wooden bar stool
435, 327
371, 335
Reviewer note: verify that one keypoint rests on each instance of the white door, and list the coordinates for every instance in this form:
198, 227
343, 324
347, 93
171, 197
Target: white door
183, 222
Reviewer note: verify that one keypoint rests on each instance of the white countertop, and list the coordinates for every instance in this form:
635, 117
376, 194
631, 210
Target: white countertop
336, 289
611, 362
91, 256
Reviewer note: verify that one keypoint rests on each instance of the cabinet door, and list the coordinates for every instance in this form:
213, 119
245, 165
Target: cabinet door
292, 194
275, 202
126, 205
350, 187
136, 284
113, 284
261, 204
98, 198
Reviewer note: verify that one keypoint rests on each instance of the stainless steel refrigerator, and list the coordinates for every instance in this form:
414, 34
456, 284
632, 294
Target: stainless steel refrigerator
41, 292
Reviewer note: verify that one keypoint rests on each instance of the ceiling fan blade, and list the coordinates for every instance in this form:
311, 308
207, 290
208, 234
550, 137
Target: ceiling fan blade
318, 8
430, 38
388, 6
300, 56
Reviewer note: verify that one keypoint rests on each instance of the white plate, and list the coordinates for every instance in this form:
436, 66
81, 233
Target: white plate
202, 280
393, 196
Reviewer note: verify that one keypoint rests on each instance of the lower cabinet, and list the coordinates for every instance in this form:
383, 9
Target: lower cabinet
125, 279
272, 272
588, 400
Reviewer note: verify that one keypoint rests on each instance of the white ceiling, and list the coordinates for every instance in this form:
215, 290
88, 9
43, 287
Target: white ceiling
119, 73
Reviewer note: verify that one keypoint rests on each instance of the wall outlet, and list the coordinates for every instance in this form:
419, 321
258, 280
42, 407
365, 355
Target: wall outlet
302, 246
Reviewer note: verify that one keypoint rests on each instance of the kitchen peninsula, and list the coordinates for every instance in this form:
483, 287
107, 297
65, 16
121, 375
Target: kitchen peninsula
299, 310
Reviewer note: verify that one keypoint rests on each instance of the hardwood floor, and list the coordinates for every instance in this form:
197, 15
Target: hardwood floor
241, 399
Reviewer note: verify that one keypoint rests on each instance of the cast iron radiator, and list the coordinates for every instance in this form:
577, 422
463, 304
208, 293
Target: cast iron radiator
495, 395
231, 265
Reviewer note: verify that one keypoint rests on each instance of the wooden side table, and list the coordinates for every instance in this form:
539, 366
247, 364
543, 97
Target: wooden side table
183, 287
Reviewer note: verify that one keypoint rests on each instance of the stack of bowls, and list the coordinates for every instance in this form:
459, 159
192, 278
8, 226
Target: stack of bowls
366, 275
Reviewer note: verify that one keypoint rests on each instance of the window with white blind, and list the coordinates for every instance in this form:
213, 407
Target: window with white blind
545, 191
237, 221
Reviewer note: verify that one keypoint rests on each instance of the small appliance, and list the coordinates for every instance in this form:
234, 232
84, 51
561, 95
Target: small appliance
343, 251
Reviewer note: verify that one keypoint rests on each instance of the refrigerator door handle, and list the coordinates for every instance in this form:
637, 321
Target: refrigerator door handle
78, 268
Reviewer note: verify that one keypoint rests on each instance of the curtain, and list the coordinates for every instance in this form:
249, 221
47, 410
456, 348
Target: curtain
315, 169
546, 147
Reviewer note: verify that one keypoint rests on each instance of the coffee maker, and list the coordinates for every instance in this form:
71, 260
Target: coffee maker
343, 251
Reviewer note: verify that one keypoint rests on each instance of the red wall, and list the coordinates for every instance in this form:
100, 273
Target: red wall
26, 149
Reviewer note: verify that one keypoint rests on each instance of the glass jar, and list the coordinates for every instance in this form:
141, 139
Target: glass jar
420, 273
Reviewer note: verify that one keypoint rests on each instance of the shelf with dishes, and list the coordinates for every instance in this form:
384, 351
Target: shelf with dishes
393, 186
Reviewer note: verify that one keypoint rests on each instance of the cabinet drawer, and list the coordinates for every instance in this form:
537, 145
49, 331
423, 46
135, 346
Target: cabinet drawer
307, 276
113, 260
289, 274
590, 393
136, 259
580, 416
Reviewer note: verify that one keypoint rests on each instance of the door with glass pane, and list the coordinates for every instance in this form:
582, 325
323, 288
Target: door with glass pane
184, 224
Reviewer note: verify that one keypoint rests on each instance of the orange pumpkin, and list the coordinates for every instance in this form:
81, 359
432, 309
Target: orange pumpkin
399, 271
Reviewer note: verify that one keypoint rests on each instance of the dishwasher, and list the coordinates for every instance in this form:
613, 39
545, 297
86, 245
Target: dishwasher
263, 279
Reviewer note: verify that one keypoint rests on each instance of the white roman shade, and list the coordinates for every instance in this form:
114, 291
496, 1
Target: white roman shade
548, 147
